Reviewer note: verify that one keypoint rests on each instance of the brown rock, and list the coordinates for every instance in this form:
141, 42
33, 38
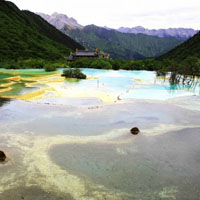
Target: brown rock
135, 131
2, 156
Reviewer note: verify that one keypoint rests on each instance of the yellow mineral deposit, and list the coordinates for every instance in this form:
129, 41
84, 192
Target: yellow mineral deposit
35, 80
34, 95
92, 77
103, 96
162, 78
14, 78
70, 92
5, 89
142, 82
137, 79
7, 84
56, 88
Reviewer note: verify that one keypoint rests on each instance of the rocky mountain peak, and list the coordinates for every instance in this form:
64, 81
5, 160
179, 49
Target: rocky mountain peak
60, 20
181, 33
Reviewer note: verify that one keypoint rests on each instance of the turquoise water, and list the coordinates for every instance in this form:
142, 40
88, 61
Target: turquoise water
59, 151
56, 151
135, 85
125, 84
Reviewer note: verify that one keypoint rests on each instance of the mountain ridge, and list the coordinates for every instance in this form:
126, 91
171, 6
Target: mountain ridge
189, 48
181, 33
25, 35
121, 45
62, 20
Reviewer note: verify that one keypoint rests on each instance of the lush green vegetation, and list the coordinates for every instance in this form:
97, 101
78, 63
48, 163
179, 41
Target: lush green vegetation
23, 73
184, 72
183, 62
99, 63
34, 64
51, 32
74, 73
189, 48
24, 35
122, 45
51, 67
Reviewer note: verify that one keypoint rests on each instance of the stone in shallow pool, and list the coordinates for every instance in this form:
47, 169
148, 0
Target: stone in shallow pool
2, 156
135, 131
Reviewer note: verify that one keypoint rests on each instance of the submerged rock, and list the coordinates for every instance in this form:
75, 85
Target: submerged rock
135, 131
2, 156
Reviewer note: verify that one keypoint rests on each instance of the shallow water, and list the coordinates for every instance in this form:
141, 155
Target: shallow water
140, 84
107, 85
146, 168
81, 147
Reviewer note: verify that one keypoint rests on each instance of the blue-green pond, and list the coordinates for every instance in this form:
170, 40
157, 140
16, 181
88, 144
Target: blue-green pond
79, 146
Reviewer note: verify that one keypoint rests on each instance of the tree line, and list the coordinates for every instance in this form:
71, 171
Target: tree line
185, 71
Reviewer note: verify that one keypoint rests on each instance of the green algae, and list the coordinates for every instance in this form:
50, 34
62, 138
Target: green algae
24, 73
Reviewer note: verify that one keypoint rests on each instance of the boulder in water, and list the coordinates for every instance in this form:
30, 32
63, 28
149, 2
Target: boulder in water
135, 131
2, 156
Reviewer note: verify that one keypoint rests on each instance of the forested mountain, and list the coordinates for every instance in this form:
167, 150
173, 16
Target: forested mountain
25, 35
189, 48
61, 20
121, 45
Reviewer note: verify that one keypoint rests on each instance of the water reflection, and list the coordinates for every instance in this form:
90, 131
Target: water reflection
193, 87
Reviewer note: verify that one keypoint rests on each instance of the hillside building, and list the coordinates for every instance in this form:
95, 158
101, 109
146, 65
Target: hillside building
87, 54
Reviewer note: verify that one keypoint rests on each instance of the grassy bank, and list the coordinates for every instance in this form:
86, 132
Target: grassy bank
34, 64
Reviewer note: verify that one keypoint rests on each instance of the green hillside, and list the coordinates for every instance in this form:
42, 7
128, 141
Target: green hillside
189, 48
122, 45
24, 35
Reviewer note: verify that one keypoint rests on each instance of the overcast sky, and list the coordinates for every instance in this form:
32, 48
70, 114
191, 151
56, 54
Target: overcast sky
127, 13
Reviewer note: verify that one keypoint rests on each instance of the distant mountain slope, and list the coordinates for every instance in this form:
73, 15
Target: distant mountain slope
190, 47
51, 32
119, 45
122, 45
181, 33
26, 35
60, 20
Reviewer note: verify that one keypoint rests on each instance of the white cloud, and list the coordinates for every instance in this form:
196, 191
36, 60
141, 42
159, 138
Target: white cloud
130, 13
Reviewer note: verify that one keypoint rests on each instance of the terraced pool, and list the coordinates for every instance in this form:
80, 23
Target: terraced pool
69, 139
